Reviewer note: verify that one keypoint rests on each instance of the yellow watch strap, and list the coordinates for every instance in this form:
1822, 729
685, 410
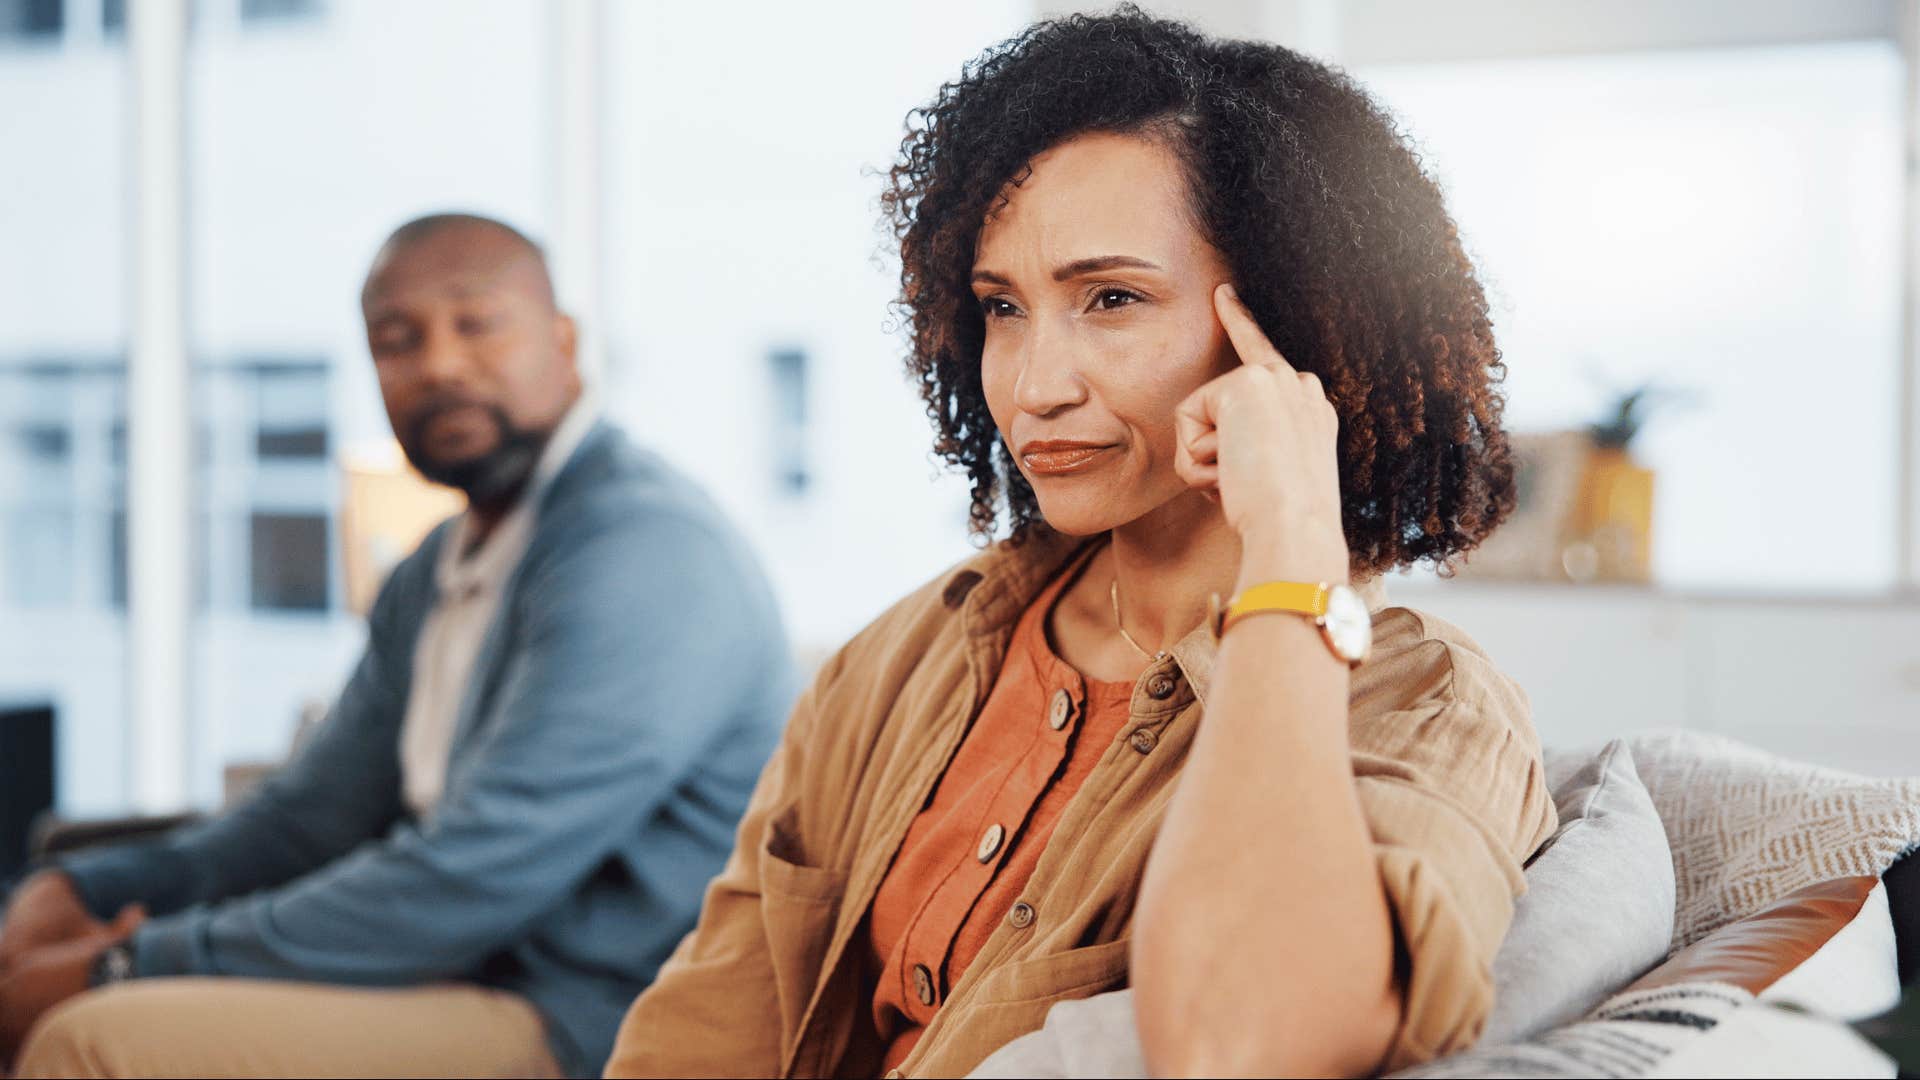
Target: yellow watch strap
1291, 596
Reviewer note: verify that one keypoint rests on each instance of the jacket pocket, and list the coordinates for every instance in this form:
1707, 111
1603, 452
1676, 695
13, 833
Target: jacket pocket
1075, 973
798, 905
1012, 1001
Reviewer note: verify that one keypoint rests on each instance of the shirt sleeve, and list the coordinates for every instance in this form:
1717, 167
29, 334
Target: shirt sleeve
602, 710
1453, 792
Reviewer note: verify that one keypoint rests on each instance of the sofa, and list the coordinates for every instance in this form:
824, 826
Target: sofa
1703, 909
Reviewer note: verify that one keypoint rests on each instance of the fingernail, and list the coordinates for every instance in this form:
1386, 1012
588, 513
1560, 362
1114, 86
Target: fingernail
1232, 293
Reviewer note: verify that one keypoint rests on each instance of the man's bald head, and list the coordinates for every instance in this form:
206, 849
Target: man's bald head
481, 242
476, 362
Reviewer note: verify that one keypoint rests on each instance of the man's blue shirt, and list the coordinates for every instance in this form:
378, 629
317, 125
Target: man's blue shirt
631, 686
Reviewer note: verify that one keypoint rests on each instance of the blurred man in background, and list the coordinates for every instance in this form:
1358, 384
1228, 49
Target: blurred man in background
508, 819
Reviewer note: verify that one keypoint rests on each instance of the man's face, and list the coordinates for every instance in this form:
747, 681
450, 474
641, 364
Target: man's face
476, 366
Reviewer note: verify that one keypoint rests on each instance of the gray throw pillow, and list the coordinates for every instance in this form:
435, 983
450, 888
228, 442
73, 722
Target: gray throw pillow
1598, 911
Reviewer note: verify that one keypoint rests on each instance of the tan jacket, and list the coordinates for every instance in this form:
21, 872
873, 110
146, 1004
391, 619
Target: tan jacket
772, 982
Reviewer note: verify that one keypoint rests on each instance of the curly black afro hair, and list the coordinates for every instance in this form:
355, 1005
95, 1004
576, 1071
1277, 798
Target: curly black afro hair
1334, 236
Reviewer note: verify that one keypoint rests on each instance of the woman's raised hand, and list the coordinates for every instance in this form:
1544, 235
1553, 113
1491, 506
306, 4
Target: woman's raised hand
1263, 437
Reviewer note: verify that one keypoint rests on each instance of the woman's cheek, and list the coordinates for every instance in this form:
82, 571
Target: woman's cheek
1186, 363
996, 383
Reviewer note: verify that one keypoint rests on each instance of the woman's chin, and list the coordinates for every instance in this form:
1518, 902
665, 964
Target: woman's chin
1180, 506
1074, 519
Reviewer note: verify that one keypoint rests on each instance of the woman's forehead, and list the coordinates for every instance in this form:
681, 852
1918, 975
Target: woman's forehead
1095, 194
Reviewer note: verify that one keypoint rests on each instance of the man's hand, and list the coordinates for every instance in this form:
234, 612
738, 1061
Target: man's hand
44, 977
45, 910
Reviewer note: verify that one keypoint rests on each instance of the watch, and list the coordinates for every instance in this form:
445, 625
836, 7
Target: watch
113, 965
1344, 621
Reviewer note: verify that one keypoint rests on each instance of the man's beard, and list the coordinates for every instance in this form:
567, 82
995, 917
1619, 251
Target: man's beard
488, 478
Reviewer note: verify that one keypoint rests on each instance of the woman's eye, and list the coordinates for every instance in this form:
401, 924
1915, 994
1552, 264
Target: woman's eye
1108, 299
994, 307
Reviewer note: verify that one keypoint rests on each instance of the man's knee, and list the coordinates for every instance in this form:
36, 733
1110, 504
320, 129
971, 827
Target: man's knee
74, 1039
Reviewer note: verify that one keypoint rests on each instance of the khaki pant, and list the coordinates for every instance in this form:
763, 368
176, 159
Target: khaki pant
247, 1027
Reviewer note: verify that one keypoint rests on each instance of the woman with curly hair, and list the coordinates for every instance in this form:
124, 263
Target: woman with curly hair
1201, 332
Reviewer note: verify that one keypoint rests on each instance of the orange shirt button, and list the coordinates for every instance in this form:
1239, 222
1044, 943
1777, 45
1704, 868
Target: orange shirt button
1021, 916
990, 842
1058, 712
923, 984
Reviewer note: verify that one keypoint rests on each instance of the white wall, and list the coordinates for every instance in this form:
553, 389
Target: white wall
1837, 683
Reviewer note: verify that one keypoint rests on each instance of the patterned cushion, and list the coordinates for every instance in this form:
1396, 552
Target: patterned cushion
1748, 827
1690, 1029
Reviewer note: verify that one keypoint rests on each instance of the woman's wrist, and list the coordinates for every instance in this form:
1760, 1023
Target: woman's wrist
1300, 551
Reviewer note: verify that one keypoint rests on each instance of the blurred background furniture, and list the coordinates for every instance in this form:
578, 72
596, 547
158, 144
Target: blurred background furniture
45, 833
26, 779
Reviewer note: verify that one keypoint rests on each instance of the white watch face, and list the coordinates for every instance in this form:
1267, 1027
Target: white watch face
1348, 624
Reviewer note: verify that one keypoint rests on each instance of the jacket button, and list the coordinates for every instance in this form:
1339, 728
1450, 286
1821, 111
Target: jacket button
1058, 712
923, 984
1160, 686
990, 842
1021, 916
1144, 740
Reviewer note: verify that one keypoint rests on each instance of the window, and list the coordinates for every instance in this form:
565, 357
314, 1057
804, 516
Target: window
289, 558
267, 10
788, 369
31, 19
62, 487
267, 487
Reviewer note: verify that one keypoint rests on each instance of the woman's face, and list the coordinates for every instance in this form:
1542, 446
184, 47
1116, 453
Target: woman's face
1097, 290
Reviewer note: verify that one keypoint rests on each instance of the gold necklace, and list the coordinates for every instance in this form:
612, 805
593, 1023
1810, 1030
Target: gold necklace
1113, 594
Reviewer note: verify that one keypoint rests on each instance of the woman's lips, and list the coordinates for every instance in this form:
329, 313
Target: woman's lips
1059, 459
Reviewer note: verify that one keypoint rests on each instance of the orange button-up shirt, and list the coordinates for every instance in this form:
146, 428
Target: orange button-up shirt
971, 852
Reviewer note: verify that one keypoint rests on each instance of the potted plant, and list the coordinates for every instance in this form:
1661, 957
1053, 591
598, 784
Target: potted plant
1610, 534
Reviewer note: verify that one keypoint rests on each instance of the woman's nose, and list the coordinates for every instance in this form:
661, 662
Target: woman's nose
1049, 376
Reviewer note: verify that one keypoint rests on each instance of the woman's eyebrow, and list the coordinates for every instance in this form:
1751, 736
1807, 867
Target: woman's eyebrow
1077, 268
1099, 263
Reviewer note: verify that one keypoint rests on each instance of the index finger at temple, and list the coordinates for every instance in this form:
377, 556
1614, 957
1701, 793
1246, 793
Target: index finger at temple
1249, 341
